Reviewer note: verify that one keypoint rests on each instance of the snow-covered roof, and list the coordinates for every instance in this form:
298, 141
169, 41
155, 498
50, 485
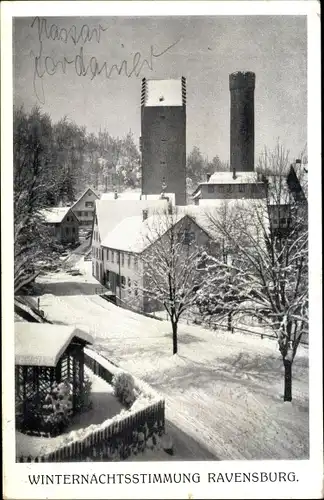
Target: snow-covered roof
135, 195
227, 178
163, 93
111, 212
41, 344
54, 215
84, 193
134, 234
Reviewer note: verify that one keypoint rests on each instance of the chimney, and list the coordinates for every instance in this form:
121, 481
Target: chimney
242, 85
145, 214
208, 176
115, 194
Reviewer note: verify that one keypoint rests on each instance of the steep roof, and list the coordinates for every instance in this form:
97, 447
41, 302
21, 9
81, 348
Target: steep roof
54, 215
111, 212
84, 193
40, 344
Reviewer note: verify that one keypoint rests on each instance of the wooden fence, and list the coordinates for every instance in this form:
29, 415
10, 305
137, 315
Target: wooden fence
121, 437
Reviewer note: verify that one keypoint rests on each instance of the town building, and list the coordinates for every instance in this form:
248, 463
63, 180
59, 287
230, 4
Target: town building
163, 137
63, 223
126, 249
110, 212
287, 198
229, 185
83, 208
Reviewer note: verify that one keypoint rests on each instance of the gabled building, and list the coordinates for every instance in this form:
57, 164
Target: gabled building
108, 214
126, 248
63, 222
83, 208
285, 196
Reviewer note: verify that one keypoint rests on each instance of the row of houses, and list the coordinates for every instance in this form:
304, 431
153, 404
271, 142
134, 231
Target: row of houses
123, 226
65, 222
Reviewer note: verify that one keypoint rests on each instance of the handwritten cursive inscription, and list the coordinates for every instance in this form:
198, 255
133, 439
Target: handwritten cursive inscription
56, 33
82, 66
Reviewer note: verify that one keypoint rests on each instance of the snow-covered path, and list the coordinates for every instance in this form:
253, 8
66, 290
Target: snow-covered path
224, 390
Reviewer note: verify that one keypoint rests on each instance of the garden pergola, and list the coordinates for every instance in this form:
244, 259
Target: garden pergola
46, 353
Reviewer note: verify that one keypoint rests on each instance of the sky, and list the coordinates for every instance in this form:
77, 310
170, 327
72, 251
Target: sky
204, 49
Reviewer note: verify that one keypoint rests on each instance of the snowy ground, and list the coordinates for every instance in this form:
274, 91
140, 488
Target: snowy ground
222, 390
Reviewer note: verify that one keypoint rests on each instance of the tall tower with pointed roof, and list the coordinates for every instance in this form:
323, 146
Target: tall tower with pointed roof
163, 137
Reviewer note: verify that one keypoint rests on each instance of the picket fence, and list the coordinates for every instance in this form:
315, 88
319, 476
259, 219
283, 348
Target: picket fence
119, 439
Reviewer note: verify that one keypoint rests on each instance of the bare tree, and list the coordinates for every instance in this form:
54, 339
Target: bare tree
262, 265
171, 264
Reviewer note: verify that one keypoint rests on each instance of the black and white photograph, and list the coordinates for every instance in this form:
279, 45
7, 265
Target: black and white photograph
161, 299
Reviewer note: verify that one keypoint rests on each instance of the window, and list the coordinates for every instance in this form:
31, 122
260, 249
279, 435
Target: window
89, 193
129, 286
122, 258
135, 289
221, 189
162, 162
73, 230
107, 253
123, 281
85, 214
79, 214
211, 189
68, 219
129, 260
112, 256
186, 237
67, 230
136, 263
89, 204
241, 188
117, 280
229, 188
117, 257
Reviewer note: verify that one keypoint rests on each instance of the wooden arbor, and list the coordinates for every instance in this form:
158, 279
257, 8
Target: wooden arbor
45, 354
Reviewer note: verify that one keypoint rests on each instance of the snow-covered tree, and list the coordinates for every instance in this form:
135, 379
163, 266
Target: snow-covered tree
171, 264
261, 269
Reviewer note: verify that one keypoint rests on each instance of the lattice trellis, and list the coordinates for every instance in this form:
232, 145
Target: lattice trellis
37, 380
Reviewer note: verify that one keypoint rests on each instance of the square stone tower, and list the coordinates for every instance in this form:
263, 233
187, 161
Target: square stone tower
163, 137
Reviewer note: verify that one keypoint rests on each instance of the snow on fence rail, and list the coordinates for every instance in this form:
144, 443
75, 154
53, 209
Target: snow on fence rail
252, 332
119, 437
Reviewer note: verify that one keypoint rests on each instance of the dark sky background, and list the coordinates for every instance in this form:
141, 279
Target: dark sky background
207, 49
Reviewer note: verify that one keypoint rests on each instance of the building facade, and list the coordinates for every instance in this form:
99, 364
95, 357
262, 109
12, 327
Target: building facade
83, 208
125, 256
63, 223
163, 137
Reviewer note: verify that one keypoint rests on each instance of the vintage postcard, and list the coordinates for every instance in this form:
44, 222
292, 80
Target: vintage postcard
161, 250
